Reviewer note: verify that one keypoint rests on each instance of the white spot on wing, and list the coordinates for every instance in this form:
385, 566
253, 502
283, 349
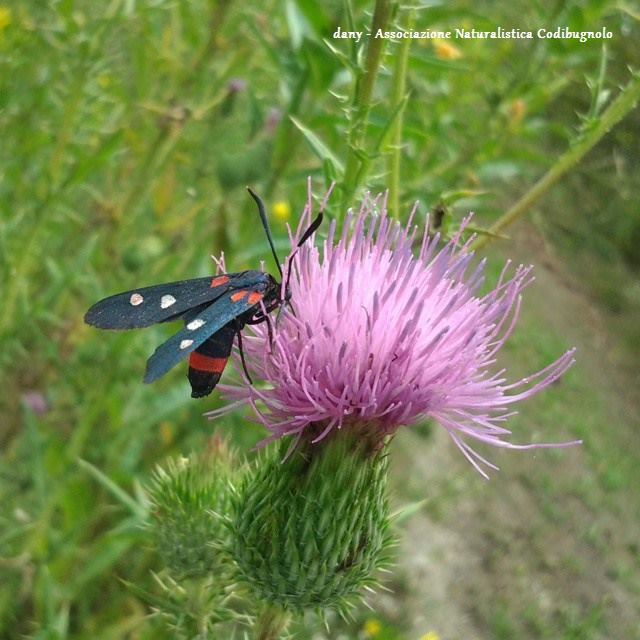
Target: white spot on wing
186, 343
167, 301
195, 324
136, 299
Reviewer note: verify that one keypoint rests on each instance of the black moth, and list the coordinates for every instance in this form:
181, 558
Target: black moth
214, 309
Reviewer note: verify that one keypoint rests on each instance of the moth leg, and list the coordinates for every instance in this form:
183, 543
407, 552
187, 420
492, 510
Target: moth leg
269, 331
259, 319
241, 350
280, 307
261, 316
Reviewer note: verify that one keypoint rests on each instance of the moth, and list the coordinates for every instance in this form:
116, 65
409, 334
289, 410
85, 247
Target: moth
214, 310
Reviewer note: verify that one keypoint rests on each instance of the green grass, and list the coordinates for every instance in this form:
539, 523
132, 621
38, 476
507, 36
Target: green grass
123, 162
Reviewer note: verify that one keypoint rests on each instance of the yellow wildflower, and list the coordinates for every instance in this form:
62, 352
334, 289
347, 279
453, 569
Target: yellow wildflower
432, 635
282, 210
5, 17
166, 433
517, 110
372, 628
445, 50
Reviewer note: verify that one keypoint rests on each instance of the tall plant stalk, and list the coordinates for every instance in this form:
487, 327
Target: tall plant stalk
398, 95
616, 111
361, 105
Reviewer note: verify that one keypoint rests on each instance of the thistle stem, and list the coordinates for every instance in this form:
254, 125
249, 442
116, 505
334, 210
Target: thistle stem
617, 110
271, 623
362, 99
399, 87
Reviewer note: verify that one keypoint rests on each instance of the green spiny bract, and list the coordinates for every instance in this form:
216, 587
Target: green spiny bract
190, 499
309, 530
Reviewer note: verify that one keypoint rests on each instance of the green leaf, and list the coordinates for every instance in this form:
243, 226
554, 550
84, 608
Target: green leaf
344, 59
122, 496
104, 555
319, 147
298, 26
450, 197
485, 232
404, 513
314, 14
386, 127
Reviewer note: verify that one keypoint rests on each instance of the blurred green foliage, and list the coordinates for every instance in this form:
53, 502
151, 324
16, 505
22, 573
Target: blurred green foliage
129, 130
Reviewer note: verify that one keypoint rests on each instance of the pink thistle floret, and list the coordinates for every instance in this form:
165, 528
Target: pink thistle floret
384, 336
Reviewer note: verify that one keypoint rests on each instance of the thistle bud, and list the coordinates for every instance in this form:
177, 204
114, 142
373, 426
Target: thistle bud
190, 498
309, 529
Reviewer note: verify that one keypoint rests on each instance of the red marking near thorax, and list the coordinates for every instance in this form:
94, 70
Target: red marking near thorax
219, 281
253, 297
238, 295
206, 363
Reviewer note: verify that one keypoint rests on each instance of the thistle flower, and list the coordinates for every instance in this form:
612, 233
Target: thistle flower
384, 336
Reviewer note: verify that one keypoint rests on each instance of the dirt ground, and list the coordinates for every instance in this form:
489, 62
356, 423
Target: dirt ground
546, 548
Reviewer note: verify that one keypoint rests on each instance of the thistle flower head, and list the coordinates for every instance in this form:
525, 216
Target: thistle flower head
389, 327
189, 499
311, 532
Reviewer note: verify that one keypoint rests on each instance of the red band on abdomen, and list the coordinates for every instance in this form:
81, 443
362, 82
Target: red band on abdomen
206, 363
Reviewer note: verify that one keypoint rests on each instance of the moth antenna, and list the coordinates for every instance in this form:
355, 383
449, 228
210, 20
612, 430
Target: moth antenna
265, 224
311, 229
